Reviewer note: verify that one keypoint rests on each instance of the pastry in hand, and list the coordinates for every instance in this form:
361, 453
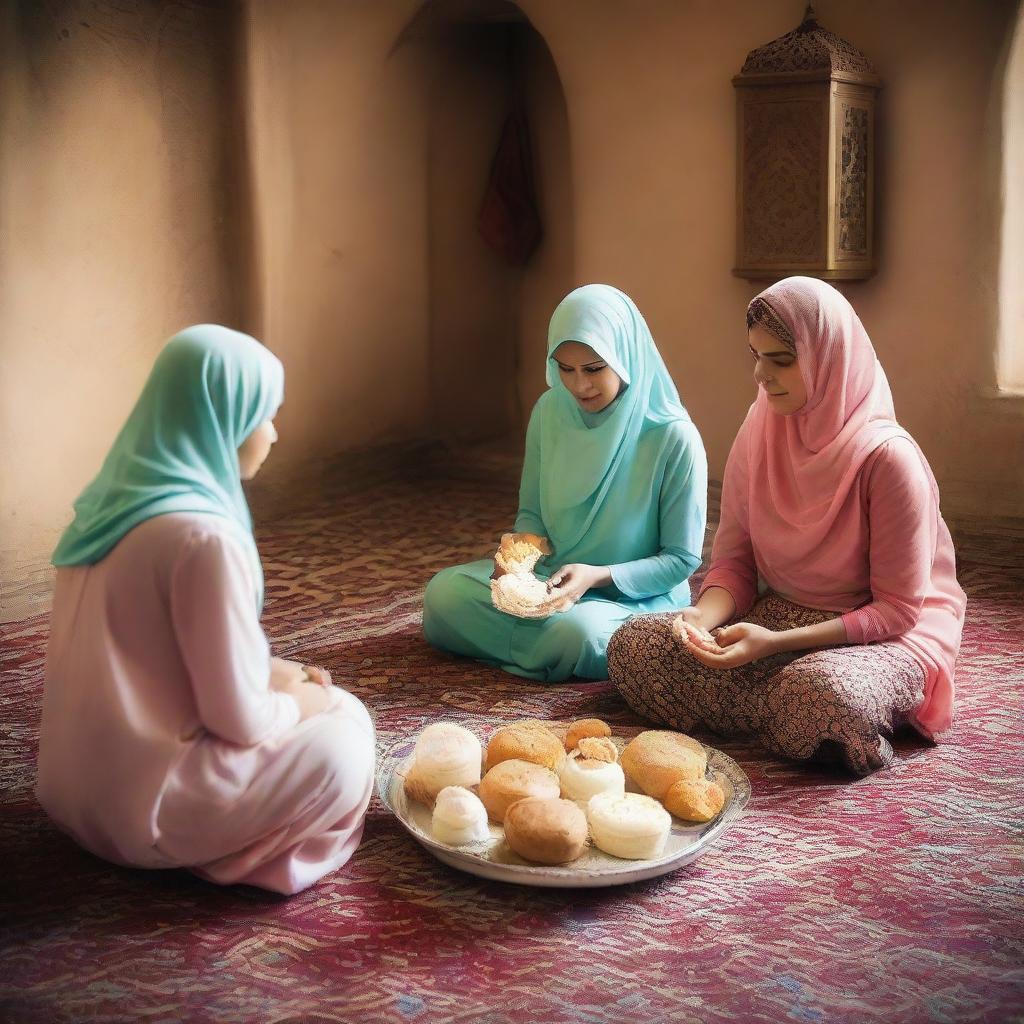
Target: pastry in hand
585, 727
520, 552
695, 800
628, 825
548, 831
515, 780
445, 754
582, 777
526, 743
526, 597
657, 759
459, 817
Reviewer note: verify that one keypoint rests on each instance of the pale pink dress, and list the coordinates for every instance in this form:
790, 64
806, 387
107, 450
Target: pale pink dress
163, 745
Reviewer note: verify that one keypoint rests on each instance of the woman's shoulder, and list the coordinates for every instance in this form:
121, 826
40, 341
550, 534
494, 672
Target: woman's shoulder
675, 436
178, 533
897, 465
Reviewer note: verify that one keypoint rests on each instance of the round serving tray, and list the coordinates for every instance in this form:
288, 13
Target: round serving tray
493, 858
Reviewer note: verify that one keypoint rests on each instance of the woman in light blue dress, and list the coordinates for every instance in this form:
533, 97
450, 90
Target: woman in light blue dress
615, 476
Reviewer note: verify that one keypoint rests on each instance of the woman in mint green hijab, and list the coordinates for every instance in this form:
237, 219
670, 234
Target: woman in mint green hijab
209, 390
170, 737
615, 476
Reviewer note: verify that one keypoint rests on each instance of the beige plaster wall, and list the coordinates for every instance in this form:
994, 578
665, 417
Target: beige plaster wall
651, 110
120, 223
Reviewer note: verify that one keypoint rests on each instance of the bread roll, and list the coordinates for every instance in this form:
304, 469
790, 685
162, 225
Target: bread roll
459, 817
555, 727
581, 778
585, 727
525, 743
628, 825
695, 800
520, 552
445, 754
657, 759
546, 831
515, 780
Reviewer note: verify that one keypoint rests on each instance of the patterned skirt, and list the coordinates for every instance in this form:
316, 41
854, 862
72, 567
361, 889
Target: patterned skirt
833, 703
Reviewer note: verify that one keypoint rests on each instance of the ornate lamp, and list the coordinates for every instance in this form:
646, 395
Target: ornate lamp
805, 121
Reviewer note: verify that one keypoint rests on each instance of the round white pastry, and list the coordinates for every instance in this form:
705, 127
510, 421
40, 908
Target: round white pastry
628, 825
582, 777
459, 817
445, 754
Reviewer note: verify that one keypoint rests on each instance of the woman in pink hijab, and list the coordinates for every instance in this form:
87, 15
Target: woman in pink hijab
831, 562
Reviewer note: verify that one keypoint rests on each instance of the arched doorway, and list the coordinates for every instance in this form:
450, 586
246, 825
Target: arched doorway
476, 60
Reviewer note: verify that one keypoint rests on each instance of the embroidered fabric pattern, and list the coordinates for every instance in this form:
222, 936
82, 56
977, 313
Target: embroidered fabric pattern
761, 313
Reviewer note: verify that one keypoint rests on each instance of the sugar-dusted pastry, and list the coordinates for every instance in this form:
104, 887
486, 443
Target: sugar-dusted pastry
581, 777
546, 831
525, 596
598, 748
585, 727
628, 825
520, 552
695, 800
526, 743
445, 754
515, 780
656, 759
459, 817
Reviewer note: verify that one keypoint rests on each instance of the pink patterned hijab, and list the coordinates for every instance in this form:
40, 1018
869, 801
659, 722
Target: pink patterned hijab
801, 467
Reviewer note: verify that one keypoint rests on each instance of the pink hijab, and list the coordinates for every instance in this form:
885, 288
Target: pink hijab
802, 467
795, 488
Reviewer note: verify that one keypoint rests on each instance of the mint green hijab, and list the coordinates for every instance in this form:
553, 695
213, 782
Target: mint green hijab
584, 454
209, 389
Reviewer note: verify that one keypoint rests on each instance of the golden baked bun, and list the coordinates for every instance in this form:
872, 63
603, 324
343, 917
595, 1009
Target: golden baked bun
585, 727
546, 831
520, 552
525, 743
695, 800
445, 754
582, 777
628, 825
555, 727
657, 759
526, 597
515, 780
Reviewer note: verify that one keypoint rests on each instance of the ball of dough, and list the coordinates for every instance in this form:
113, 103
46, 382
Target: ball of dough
459, 817
598, 748
657, 759
515, 780
548, 831
525, 743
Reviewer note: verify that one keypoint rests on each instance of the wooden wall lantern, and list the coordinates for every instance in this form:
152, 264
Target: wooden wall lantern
805, 107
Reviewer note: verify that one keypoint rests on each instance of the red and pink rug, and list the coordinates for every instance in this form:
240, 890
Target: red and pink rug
895, 898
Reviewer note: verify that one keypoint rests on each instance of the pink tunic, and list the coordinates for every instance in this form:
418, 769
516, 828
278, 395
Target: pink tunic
893, 577
162, 743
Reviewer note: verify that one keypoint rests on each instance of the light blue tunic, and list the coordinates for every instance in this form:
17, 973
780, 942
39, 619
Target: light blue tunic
624, 488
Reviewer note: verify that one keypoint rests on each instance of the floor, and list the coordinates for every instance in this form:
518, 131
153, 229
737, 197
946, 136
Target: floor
897, 897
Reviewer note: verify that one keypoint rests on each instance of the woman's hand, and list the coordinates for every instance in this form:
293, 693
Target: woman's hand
317, 675
286, 675
735, 645
574, 580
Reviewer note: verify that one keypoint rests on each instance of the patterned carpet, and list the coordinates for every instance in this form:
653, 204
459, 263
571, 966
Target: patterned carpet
897, 897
